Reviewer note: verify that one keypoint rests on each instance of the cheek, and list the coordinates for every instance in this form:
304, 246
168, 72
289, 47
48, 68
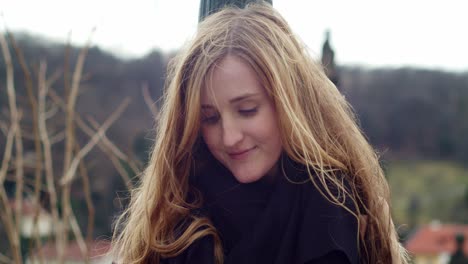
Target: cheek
210, 138
267, 129
271, 139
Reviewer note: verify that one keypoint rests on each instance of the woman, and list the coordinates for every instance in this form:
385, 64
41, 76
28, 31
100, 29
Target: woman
257, 159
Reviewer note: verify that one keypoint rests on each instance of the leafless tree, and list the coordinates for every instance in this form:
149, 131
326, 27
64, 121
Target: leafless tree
58, 184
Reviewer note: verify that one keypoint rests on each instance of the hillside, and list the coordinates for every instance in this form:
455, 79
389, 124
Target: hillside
407, 114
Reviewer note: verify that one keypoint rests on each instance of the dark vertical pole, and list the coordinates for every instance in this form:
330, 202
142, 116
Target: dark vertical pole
208, 7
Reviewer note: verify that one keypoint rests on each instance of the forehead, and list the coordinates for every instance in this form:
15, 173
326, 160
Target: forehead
230, 78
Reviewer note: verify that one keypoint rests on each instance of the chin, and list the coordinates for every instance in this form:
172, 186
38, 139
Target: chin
247, 178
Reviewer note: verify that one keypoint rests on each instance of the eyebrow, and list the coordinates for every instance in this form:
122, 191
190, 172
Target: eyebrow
235, 99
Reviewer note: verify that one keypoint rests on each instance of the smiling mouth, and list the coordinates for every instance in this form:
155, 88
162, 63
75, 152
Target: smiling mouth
240, 154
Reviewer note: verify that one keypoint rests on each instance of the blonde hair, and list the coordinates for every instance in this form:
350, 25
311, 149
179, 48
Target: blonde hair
317, 126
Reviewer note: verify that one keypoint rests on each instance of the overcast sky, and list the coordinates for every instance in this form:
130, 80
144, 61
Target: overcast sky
421, 33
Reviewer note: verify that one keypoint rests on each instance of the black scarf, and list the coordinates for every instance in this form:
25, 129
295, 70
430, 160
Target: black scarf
271, 221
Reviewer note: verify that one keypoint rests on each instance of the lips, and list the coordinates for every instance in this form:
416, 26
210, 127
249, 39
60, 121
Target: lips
241, 154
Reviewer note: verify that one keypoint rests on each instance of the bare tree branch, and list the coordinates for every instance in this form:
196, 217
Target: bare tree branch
51, 112
57, 138
70, 138
19, 172
37, 143
3, 127
24, 67
115, 150
54, 77
10, 79
105, 144
28, 182
14, 117
89, 201
27, 135
48, 155
82, 125
66, 66
7, 218
5, 259
70, 106
70, 174
7, 153
79, 236
116, 162
12, 232
148, 100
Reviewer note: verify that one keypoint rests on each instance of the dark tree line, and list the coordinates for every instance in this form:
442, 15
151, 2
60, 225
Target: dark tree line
411, 112
406, 112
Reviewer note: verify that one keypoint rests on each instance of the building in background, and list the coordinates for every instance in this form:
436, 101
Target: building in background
435, 243
97, 254
328, 60
44, 220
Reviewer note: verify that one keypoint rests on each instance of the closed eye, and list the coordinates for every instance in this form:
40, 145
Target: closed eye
210, 120
248, 112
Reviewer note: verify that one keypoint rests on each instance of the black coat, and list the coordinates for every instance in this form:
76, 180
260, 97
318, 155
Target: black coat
272, 221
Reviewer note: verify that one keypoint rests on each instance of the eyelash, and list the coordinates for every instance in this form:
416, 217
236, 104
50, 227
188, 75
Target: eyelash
210, 120
248, 112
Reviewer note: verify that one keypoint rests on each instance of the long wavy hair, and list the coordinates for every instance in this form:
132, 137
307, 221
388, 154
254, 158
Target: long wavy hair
318, 129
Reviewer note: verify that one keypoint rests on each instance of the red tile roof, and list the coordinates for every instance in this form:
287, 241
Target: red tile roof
27, 208
96, 249
435, 239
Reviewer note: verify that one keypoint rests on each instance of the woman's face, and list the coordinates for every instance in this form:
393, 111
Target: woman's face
239, 123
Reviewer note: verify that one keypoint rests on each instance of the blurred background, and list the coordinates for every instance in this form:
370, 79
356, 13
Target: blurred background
403, 66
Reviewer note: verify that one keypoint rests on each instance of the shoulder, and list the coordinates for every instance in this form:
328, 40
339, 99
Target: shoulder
333, 257
200, 251
327, 227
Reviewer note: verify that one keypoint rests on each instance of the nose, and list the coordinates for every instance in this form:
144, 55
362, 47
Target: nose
232, 133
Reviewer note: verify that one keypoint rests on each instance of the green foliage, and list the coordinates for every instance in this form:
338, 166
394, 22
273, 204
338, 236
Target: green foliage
426, 190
